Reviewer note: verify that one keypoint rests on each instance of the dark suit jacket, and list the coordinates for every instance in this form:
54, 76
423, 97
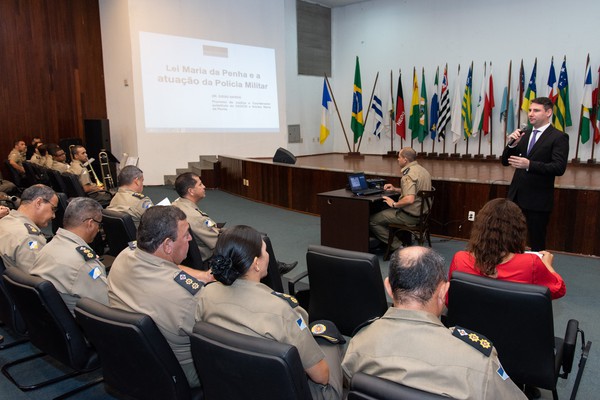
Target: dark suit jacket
533, 189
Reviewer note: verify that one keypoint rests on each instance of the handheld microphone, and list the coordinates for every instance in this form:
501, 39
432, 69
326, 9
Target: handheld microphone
523, 129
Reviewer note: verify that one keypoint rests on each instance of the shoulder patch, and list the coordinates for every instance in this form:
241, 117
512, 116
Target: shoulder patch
87, 253
406, 171
147, 204
290, 299
476, 340
32, 229
138, 195
188, 282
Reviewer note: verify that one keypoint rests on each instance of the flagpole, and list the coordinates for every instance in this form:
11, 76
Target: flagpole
337, 111
455, 154
391, 153
491, 138
368, 110
400, 82
507, 102
576, 159
467, 154
592, 160
479, 155
433, 153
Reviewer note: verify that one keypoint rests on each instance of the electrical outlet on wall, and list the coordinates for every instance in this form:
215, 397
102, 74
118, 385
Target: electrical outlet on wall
471, 216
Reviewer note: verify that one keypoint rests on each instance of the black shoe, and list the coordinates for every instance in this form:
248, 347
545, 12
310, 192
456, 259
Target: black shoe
532, 392
284, 268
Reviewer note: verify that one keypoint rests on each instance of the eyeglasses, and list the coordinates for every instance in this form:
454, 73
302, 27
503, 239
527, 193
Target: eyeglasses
54, 208
98, 222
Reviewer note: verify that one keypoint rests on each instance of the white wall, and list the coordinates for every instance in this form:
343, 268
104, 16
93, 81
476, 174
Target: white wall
385, 34
252, 22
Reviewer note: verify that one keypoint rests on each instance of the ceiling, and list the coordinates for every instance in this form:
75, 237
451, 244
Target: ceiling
335, 3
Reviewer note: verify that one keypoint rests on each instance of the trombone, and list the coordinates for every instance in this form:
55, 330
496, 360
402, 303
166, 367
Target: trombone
105, 170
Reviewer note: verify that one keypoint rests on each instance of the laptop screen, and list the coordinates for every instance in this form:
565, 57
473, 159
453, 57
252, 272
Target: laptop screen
357, 181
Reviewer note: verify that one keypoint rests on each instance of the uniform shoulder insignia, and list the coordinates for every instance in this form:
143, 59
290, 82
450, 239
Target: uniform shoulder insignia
87, 253
476, 340
32, 229
290, 299
188, 282
364, 324
406, 171
138, 195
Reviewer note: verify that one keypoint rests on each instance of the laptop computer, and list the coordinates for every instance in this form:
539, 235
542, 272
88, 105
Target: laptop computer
359, 186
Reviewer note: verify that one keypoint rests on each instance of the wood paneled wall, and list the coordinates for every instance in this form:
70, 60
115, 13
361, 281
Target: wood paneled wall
574, 225
51, 70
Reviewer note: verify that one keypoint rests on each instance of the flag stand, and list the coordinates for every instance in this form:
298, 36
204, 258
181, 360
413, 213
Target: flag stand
443, 155
479, 155
455, 154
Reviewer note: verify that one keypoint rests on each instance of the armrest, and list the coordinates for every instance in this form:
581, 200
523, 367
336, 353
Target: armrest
292, 282
569, 345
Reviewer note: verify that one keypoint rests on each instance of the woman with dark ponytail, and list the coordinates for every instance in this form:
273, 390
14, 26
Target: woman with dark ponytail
240, 303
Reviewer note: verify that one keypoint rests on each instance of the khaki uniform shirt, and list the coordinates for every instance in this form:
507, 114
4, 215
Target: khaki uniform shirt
82, 172
415, 349
250, 308
16, 156
130, 202
73, 268
414, 179
141, 282
60, 166
44, 161
203, 228
20, 241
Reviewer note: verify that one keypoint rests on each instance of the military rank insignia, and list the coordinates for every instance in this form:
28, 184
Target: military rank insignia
406, 171
32, 230
138, 195
474, 339
87, 253
290, 299
188, 282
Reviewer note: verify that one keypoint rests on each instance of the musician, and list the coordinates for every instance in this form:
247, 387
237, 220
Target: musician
59, 158
78, 167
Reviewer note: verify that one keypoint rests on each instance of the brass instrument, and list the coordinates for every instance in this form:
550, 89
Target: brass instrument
89, 165
105, 170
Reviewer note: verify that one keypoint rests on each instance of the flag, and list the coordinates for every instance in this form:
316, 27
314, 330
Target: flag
357, 123
597, 111
508, 105
478, 119
377, 108
423, 124
400, 113
586, 104
444, 114
531, 89
413, 122
552, 83
522, 117
390, 106
456, 110
435, 107
489, 103
325, 113
466, 104
562, 108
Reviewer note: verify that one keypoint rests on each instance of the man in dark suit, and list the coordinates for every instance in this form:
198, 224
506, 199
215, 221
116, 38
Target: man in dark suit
538, 154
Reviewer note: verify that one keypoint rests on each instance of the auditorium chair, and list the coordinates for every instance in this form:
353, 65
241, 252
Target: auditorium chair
31, 177
51, 328
10, 315
420, 231
56, 181
57, 221
273, 278
346, 287
518, 319
368, 387
137, 362
15, 176
119, 230
194, 257
231, 365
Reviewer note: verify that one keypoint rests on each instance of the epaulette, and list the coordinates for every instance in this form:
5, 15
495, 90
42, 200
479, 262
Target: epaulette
138, 195
363, 324
87, 253
132, 245
290, 299
405, 172
476, 340
188, 282
32, 229
327, 330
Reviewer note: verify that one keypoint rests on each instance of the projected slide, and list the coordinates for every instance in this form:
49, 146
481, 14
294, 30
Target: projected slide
203, 86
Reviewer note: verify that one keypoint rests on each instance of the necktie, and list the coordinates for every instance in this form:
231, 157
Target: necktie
533, 140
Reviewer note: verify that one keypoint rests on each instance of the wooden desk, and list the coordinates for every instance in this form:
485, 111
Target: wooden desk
345, 218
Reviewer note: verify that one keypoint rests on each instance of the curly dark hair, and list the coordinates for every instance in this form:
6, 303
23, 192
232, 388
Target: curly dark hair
499, 229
